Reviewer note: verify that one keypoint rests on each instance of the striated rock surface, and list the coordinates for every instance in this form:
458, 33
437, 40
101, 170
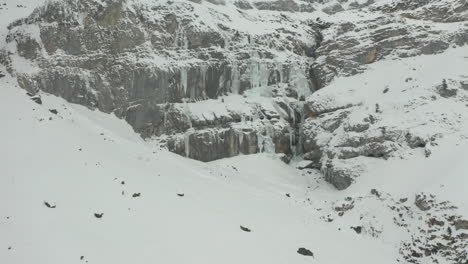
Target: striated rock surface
218, 78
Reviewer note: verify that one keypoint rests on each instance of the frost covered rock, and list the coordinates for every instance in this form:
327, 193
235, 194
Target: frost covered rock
352, 120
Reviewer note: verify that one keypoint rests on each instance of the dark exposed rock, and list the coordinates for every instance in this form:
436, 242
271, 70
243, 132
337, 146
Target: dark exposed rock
421, 202
49, 205
357, 229
245, 229
340, 177
305, 252
278, 5
98, 215
243, 4
37, 99
333, 9
461, 224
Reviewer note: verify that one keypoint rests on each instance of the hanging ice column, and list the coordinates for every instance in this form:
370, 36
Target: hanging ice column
187, 135
181, 36
291, 140
259, 71
235, 78
183, 79
299, 80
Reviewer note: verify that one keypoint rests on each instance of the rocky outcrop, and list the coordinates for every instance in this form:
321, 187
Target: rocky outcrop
144, 62
210, 79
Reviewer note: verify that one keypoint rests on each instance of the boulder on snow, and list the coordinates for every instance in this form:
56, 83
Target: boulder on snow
422, 203
245, 229
98, 215
305, 252
48, 205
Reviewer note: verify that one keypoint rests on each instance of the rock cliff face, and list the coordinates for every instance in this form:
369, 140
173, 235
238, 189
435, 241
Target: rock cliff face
150, 62
218, 78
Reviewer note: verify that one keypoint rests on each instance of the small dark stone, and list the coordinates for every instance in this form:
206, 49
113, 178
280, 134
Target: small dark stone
386, 90
98, 215
180, 194
82, 257
122, 182
245, 229
305, 252
288, 195
49, 205
37, 100
358, 229
375, 192
136, 195
53, 111
402, 200
9, 248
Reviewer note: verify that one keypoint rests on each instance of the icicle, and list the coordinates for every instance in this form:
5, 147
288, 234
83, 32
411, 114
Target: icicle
180, 35
187, 135
292, 113
185, 39
235, 78
187, 114
279, 67
300, 81
203, 69
226, 42
241, 137
291, 139
183, 79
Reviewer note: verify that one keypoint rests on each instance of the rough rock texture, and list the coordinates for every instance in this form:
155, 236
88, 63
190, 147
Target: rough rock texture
144, 62
433, 234
343, 127
212, 79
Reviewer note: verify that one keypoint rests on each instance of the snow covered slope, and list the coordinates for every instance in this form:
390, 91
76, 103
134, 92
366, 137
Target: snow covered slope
80, 186
84, 162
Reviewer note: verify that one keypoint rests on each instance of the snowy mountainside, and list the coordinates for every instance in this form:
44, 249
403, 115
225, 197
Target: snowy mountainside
84, 162
106, 164
153, 62
364, 100
395, 109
